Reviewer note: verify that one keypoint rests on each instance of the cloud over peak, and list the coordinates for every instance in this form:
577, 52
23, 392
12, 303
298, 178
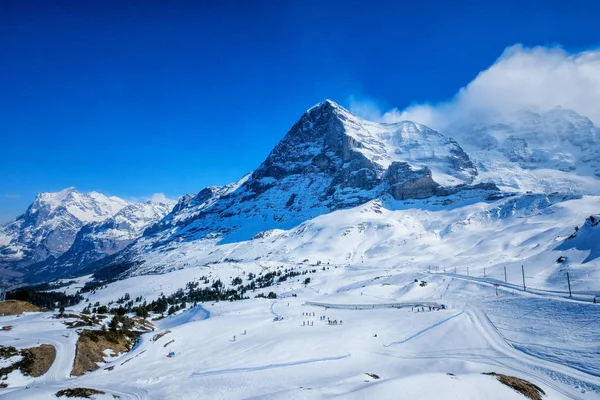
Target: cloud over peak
537, 78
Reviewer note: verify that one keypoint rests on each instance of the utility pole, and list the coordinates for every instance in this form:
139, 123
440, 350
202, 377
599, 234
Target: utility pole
523, 271
505, 281
467, 271
484, 272
569, 282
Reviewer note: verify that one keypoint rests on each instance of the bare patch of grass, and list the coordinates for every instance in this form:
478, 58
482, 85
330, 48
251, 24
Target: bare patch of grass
7, 328
522, 386
372, 375
92, 344
86, 393
35, 361
38, 360
16, 307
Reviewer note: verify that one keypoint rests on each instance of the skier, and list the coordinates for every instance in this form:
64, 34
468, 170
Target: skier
244, 331
594, 299
302, 323
234, 338
340, 321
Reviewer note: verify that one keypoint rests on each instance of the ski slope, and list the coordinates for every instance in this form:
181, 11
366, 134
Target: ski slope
517, 333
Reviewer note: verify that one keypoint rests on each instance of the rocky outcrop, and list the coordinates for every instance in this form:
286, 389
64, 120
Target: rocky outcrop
406, 183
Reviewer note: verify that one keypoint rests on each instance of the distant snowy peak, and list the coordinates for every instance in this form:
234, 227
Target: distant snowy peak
133, 219
86, 207
50, 224
97, 240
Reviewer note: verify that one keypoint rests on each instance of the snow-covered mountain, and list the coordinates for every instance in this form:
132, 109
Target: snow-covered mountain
63, 231
329, 160
99, 239
50, 224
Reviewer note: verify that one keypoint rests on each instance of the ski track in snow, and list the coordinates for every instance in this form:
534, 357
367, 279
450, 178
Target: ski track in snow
273, 310
270, 366
421, 332
495, 338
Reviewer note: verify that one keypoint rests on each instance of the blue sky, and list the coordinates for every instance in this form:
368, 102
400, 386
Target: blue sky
136, 98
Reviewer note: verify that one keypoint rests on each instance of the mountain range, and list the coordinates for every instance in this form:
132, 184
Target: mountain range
329, 161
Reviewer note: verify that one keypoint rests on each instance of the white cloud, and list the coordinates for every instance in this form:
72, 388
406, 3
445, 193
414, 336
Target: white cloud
156, 197
161, 198
365, 108
539, 78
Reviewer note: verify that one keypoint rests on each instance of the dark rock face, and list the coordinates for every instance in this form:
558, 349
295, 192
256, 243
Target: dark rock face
404, 183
